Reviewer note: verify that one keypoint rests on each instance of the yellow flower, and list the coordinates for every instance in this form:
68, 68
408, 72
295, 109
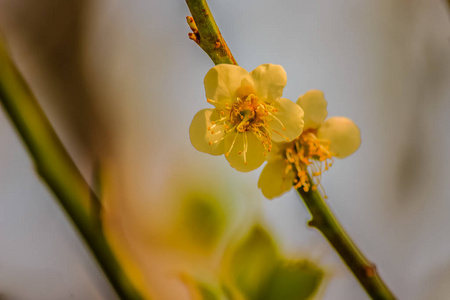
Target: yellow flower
308, 156
249, 114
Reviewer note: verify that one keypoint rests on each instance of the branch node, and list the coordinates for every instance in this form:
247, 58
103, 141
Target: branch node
206, 33
312, 223
370, 270
193, 36
192, 25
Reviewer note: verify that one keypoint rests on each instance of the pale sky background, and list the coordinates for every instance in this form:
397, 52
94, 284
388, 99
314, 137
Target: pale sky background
385, 64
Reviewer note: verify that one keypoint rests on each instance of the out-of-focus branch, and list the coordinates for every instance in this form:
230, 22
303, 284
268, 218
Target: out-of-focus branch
59, 172
53, 34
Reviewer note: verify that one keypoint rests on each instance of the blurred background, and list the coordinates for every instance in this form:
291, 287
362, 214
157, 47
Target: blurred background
120, 82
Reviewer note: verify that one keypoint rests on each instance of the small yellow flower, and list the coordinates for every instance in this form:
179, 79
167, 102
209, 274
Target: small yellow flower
249, 114
312, 153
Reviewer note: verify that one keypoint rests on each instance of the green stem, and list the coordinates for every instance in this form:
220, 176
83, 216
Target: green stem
324, 220
206, 33
59, 172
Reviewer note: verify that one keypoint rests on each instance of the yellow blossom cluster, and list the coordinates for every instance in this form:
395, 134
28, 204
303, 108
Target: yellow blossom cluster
300, 163
251, 123
248, 115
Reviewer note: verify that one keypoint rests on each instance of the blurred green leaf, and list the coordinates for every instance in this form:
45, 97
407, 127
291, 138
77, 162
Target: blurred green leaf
202, 220
258, 272
207, 292
252, 262
200, 290
292, 280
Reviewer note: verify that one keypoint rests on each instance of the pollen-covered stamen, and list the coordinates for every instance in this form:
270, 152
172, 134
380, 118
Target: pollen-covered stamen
230, 129
278, 120
247, 116
245, 147
217, 103
217, 122
221, 125
309, 155
232, 145
249, 113
227, 133
279, 133
218, 140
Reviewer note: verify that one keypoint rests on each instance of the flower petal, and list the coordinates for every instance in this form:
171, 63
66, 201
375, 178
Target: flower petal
277, 152
222, 81
343, 134
274, 180
201, 136
287, 123
315, 107
268, 80
245, 151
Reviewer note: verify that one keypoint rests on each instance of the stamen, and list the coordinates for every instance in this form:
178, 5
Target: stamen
309, 155
248, 115
277, 132
215, 103
232, 144
221, 139
217, 122
230, 129
278, 120
245, 147
287, 169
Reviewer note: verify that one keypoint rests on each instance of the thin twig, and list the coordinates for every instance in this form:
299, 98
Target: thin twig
206, 33
58, 171
324, 220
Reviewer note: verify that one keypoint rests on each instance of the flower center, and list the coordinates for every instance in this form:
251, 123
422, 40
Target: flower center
309, 157
247, 114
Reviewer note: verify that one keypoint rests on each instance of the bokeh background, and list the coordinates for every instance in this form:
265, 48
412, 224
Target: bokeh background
121, 82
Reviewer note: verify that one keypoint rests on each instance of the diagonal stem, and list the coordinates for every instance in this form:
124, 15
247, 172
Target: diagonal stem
59, 172
206, 33
324, 220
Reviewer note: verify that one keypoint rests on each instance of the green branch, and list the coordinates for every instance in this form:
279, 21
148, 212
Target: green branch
57, 169
206, 33
324, 220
